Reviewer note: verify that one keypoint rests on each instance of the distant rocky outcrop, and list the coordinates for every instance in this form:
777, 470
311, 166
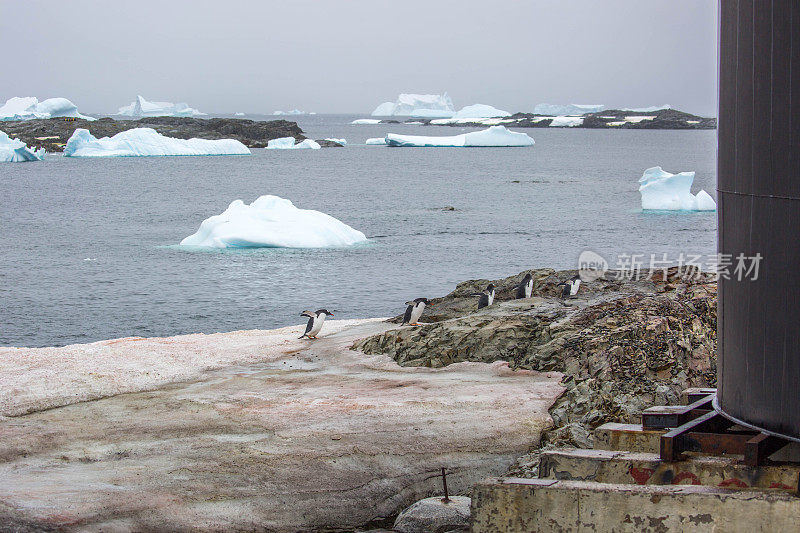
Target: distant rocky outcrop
661, 119
622, 345
52, 134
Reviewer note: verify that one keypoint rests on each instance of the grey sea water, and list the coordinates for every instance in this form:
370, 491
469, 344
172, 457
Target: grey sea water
88, 247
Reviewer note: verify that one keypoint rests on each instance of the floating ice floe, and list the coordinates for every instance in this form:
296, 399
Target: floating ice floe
29, 107
492, 136
272, 222
376, 140
288, 143
366, 121
343, 142
566, 122
147, 142
480, 111
142, 108
417, 105
664, 191
15, 151
567, 109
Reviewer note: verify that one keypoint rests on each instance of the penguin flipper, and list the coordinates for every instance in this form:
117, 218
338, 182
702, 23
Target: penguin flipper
407, 315
309, 326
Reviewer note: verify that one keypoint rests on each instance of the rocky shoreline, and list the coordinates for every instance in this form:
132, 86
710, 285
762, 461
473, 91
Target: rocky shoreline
662, 119
52, 134
261, 430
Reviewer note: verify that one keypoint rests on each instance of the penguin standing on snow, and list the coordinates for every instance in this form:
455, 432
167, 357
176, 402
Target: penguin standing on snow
486, 297
315, 321
571, 286
414, 311
525, 287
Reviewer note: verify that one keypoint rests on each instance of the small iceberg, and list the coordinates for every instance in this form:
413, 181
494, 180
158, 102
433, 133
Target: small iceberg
288, 143
239, 114
292, 112
377, 140
492, 136
147, 142
664, 191
417, 105
567, 109
142, 108
15, 151
342, 142
366, 121
29, 107
272, 222
481, 111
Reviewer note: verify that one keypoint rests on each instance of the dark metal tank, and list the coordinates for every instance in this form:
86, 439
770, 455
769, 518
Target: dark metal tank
758, 195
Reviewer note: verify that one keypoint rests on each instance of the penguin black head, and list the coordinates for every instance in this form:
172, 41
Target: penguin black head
576, 276
422, 300
527, 278
490, 287
320, 311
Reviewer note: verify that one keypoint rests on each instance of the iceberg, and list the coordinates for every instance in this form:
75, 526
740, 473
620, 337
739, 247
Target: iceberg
366, 121
239, 114
567, 109
343, 142
142, 108
288, 143
480, 111
647, 109
376, 140
15, 151
417, 105
147, 142
492, 136
272, 222
292, 112
566, 122
664, 191
29, 107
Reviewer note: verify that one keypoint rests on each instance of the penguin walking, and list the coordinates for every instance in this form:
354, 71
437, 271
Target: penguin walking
525, 287
486, 298
414, 311
315, 321
571, 286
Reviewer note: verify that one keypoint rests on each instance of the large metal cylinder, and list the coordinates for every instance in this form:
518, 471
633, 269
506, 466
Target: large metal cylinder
758, 190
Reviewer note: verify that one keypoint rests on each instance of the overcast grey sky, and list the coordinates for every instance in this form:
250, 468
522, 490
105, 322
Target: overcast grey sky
349, 56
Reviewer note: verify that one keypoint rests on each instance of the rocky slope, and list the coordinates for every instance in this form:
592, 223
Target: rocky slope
621, 345
52, 134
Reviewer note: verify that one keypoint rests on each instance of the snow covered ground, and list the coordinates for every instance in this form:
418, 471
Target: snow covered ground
664, 191
29, 107
492, 136
15, 151
144, 108
147, 142
272, 222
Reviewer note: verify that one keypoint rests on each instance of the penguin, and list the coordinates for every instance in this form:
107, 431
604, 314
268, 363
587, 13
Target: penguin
414, 311
315, 321
486, 297
525, 287
571, 286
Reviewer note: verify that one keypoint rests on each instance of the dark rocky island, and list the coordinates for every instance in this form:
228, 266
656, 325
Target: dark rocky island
52, 134
662, 119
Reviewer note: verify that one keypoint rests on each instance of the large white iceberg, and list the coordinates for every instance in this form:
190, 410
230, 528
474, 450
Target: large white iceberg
417, 105
272, 222
147, 142
288, 143
664, 191
14, 150
29, 107
493, 136
567, 109
480, 111
142, 108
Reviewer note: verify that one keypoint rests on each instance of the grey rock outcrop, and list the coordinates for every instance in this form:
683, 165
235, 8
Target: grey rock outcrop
433, 515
